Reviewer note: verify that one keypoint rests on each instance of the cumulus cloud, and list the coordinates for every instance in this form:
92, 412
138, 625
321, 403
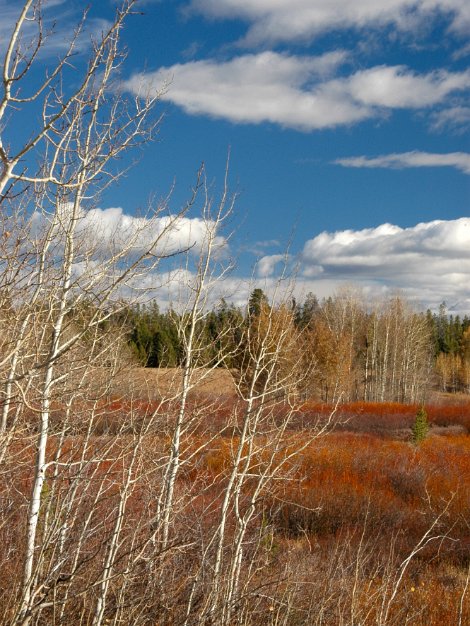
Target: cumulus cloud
112, 227
111, 231
267, 264
429, 262
459, 160
164, 248
294, 20
398, 87
294, 91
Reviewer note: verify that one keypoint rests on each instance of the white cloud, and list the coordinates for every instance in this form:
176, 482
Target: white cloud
397, 87
112, 227
459, 160
456, 118
429, 262
293, 20
462, 52
253, 88
267, 264
294, 91
259, 248
59, 21
177, 289
108, 231
108, 240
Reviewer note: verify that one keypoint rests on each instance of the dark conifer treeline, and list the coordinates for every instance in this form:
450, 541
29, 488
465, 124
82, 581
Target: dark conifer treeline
155, 336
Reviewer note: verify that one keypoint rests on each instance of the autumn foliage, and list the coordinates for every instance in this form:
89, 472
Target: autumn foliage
130, 501
345, 513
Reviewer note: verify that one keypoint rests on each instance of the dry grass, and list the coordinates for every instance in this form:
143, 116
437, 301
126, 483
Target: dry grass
156, 383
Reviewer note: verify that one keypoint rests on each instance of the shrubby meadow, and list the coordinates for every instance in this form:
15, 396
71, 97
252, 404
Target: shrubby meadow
280, 463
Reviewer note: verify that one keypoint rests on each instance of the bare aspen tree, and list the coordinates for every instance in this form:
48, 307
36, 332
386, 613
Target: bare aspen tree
270, 377
62, 263
403, 358
379, 354
69, 281
190, 324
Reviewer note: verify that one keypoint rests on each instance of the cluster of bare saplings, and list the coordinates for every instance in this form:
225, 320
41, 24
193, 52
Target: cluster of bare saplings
166, 519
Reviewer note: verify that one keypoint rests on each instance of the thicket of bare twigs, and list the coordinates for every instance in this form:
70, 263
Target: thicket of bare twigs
165, 518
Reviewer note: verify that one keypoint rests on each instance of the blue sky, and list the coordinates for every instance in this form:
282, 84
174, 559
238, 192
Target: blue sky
348, 125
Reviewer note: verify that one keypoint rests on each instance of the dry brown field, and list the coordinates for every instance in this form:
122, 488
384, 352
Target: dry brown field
156, 383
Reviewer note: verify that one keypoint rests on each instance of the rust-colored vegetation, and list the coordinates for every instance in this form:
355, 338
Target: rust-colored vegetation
201, 464
334, 530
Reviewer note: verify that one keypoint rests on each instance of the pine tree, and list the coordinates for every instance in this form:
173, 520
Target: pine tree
421, 426
257, 300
